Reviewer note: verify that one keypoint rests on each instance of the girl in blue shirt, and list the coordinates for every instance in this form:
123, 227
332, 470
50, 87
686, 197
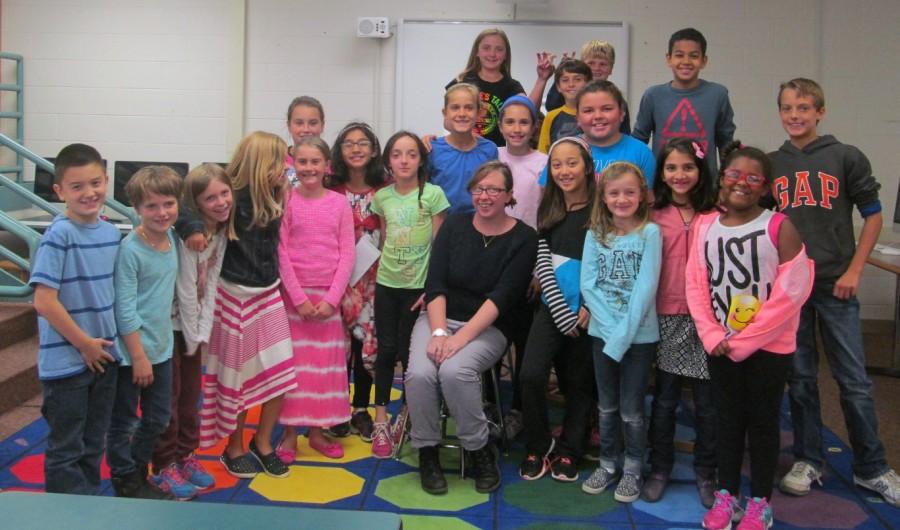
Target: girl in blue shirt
619, 275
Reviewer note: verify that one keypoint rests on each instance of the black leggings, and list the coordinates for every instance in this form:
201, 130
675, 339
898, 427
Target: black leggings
393, 326
748, 398
362, 379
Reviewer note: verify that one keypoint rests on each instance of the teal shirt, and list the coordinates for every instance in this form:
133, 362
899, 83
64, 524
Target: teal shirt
618, 283
145, 289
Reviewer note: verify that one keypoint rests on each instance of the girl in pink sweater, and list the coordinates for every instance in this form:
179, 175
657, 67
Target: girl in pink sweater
315, 257
747, 279
683, 190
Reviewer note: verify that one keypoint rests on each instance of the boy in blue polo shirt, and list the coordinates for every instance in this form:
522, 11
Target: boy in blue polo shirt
72, 275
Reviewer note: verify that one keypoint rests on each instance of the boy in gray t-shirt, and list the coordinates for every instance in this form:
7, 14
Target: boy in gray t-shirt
687, 106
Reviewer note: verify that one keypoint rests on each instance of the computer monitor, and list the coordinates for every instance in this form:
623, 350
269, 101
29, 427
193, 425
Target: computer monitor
124, 169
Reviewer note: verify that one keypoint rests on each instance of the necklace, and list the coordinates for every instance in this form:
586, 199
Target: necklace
143, 234
685, 220
487, 240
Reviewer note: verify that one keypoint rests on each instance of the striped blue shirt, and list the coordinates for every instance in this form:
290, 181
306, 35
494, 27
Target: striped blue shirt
78, 260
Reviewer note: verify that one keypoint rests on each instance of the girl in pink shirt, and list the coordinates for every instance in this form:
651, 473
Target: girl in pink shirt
315, 255
748, 277
683, 189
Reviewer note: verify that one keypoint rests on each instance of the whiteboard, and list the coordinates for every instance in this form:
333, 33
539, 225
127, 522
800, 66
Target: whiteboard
432, 52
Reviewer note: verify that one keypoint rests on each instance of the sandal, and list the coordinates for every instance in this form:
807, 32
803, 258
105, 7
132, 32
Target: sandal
240, 467
270, 463
329, 449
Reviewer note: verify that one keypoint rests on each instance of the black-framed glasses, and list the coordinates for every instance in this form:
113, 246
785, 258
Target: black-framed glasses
491, 192
350, 144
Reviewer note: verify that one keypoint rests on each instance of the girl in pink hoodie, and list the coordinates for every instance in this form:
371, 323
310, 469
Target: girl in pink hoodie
747, 278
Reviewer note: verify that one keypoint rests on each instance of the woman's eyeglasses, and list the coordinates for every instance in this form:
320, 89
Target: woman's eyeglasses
491, 192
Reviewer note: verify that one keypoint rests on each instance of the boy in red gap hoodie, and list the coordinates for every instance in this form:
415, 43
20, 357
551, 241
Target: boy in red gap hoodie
818, 182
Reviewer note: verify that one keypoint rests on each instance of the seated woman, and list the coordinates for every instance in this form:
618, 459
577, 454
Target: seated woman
480, 267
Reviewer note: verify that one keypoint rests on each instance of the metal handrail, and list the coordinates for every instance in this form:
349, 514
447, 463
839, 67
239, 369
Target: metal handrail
44, 164
19, 88
31, 238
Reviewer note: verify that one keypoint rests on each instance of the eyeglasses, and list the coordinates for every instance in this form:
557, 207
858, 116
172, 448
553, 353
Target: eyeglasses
350, 144
733, 176
491, 192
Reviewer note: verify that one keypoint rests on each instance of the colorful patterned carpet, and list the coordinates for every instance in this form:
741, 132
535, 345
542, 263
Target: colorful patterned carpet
360, 482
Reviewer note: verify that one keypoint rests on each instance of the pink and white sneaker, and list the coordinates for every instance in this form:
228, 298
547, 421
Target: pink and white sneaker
724, 512
382, 444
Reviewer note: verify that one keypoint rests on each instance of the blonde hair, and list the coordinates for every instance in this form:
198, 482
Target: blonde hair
468, 87
601, 217
159, 180
196, 183
804, 87
258, 164
600, 49
473, 65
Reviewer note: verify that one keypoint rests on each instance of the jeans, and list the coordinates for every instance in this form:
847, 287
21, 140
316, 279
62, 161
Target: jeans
393, 326
182, 437
748, 397
131, 438
621, 387
662, 422
842, 342
457, 379
546, 343
77, 410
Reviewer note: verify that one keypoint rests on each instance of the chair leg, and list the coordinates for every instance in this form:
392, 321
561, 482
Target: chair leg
501, 423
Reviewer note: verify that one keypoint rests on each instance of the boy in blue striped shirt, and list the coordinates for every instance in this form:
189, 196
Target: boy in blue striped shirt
72, 275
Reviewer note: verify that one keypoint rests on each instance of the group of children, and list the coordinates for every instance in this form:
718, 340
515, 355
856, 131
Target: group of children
294, 260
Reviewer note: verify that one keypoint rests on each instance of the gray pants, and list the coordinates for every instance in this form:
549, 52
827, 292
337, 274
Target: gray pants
457, 378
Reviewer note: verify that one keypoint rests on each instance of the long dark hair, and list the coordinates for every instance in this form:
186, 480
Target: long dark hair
374, 168
422, 172
703, 195
552, 208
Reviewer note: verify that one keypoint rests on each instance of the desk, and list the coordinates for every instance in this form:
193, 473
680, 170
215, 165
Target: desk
889, 263
24, 511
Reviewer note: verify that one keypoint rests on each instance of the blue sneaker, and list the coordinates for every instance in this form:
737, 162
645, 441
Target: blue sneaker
170, 481
193, 472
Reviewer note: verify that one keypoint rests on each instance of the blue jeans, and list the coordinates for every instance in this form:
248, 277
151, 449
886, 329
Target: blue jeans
842, 342
621, 387
77, 410
131, 438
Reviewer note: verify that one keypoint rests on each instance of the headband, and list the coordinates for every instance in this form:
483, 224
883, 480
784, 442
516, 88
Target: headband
519, 99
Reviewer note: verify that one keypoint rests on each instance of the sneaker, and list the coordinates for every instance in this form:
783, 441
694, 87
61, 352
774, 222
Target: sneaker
240, 467
886, 484
430, 473
484, 468
629, 488
341, 430
361, 424
535, 466
170, 480
382, 445
799, 479
599, 480
757, 516
563, 469
654, 486
513, 423
400, 426
193, 472
149, 490
270, 463
723, 513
